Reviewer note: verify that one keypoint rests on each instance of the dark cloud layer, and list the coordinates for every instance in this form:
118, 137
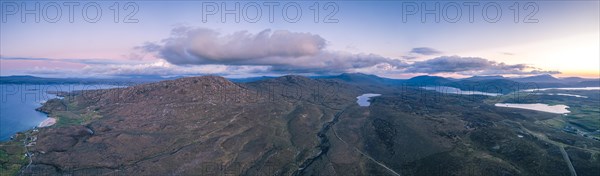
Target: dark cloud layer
471, 66
425, 51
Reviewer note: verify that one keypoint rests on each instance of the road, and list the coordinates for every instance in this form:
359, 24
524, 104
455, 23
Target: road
364, 154
559, 145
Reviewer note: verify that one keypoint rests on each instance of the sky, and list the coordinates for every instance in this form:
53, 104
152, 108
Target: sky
397, 39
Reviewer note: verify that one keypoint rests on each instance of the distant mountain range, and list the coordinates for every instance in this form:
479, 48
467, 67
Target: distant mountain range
26, 79
498, 84
478, 83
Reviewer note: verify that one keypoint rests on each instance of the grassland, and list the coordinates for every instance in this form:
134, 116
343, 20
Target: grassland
13, 154
585, 111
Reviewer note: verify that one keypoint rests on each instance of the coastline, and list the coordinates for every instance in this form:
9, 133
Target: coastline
47, 122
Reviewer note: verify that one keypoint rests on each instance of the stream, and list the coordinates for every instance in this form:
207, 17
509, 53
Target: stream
323, 144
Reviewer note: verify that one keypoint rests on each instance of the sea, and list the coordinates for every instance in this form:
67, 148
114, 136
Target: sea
18, 104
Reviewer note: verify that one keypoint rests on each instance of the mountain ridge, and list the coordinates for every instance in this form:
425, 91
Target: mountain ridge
347, 77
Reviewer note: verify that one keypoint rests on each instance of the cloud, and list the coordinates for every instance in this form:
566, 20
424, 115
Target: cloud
334, 62
164, 68
471, 66
156, 68
425, 51
281, 50
205, 46
148, 47
69, 60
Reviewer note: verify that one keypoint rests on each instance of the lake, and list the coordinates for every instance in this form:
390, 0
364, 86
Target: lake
557, 109
562, 88
452, 90
18, 104
363, 100
569, 95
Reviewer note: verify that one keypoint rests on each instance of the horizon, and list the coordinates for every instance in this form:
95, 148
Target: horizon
235, 77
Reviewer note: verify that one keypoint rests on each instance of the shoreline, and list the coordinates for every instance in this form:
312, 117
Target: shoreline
47, 122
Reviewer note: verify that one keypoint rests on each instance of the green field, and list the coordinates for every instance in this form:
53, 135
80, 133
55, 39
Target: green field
585, 111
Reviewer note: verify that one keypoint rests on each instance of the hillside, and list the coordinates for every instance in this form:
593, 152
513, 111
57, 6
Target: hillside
293, 125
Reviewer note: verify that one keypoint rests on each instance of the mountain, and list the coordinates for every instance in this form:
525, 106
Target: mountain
364, 82
591, 83
538, 79
480, 78
428, 80
26, 79
21, 79
250, 79
502, 86
545, 81
582, 82
201, 120
361, 78
290, 125
575, 79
